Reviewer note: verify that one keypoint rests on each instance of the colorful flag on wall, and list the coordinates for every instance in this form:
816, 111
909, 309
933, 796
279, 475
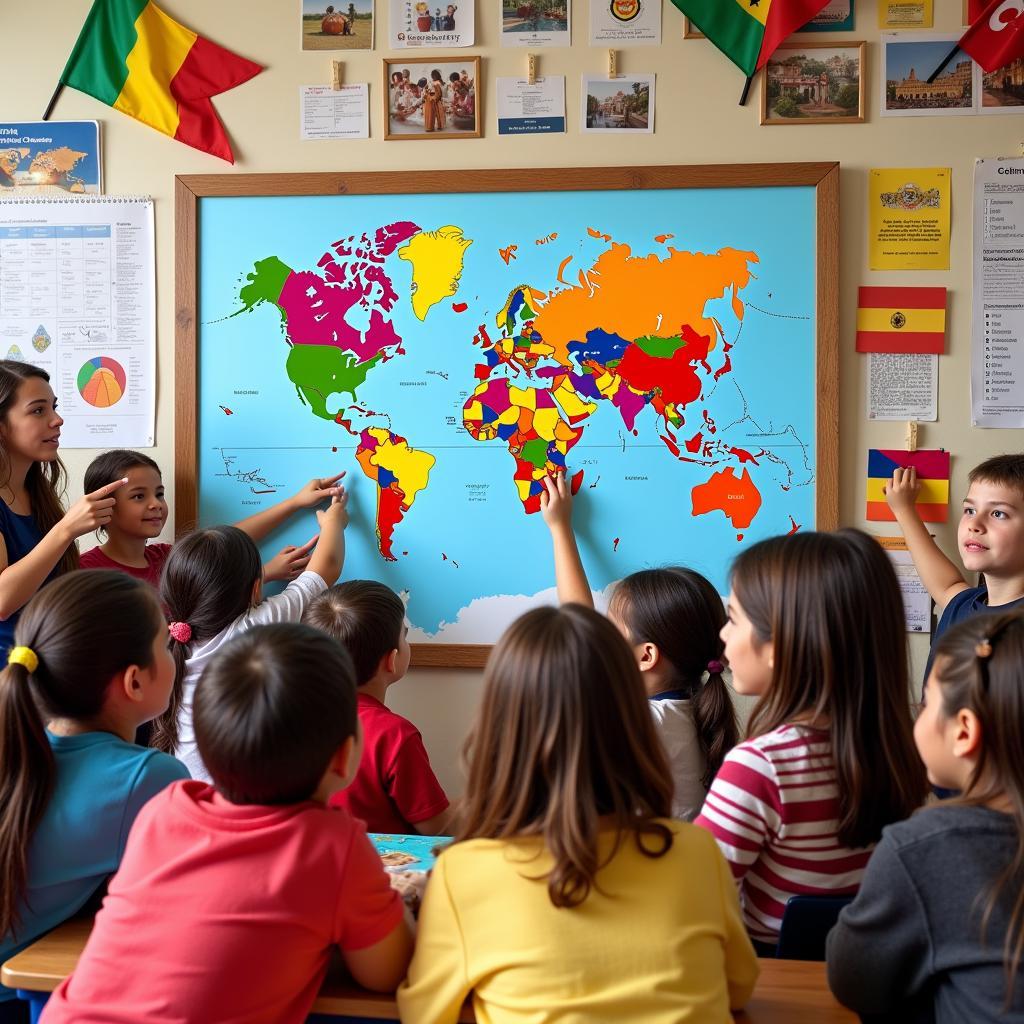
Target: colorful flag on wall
996, 38
133, 57
901, 320
748, 31
932, 467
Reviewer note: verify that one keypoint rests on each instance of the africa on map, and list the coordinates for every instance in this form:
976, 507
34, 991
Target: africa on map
449, 351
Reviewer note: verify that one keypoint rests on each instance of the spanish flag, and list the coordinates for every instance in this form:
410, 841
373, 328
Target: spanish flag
932, 467
901, 320
133, 57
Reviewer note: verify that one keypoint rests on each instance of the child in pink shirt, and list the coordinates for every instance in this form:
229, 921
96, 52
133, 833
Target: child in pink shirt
231, 897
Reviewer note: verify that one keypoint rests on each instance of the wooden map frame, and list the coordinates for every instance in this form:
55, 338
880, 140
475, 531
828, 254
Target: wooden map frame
191, 189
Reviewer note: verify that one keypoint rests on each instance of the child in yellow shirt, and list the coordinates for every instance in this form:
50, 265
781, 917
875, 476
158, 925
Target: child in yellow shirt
568, 893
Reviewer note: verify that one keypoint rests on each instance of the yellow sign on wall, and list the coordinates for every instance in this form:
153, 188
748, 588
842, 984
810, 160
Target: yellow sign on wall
909, 218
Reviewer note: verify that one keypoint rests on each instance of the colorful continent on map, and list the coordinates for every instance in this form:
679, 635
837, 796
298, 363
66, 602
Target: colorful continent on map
633, 333
437, 259
400, 473
738, 499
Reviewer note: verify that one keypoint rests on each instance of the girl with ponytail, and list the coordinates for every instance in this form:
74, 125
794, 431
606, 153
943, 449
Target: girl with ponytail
671, 618
90, 665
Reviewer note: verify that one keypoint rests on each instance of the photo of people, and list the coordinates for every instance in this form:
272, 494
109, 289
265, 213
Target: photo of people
432, 99
345, 25
624, 104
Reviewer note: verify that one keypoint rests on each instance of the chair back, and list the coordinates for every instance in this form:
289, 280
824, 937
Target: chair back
806, 922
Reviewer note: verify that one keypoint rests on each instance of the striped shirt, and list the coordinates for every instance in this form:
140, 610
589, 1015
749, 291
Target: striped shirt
774, 810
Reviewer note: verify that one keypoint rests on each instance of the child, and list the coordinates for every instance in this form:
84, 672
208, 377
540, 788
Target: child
395, 789
433, 104
937, 927
140, 512
231, 897
815, 629
37, 537
90, 666
672, 619
990, 538
568, 893
212, 590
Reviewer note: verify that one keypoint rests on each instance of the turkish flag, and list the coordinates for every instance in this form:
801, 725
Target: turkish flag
997, 37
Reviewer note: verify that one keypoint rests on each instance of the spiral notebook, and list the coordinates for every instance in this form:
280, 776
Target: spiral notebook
78, 299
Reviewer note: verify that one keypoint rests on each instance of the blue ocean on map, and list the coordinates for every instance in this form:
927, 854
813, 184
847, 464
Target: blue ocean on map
468, 557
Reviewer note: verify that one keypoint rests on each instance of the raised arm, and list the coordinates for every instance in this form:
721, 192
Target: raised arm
329, 556
556, 508
317, 491
940, 576
20, 580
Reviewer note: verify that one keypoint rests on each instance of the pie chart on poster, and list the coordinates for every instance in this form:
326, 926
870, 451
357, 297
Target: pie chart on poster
101, 382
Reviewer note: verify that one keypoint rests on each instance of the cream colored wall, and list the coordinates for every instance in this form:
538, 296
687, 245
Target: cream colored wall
697, 121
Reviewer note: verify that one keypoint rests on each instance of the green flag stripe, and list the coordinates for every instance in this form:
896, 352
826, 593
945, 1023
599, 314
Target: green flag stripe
97, 64
735, 33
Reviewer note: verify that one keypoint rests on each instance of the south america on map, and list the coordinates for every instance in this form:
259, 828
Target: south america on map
450, 351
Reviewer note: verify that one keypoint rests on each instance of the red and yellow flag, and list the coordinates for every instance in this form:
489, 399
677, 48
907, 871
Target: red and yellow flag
901, 320
133, 57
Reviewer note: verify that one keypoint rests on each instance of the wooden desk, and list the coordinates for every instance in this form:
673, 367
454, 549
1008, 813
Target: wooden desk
788, 991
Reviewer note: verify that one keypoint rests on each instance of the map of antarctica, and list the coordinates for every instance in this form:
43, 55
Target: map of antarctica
450, 351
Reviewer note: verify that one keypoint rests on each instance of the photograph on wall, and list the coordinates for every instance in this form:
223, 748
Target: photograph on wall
417, 23
432, 99
835, 16
41, 158
345, 25
535, 22
814, 83
621, 105
1002, 91
907, 64
625, 22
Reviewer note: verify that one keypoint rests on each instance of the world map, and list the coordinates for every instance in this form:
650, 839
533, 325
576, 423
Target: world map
461, 360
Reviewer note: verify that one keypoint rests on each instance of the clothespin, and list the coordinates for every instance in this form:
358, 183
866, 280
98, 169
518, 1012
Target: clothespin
611, 64
335, 74
531, 69
912, 436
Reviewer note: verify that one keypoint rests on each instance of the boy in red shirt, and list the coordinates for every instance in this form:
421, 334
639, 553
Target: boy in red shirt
231, 897
395, 789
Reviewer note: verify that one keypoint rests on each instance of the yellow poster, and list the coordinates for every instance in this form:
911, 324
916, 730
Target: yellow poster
908, 219
905, 14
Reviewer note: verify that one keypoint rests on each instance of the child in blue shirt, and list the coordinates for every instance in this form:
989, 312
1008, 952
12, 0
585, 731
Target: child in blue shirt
90, 665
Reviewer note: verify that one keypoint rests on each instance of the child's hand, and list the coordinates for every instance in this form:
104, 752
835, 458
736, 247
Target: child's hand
318, 490
336, 512
556, 502
289, 562
902, 491
410, 885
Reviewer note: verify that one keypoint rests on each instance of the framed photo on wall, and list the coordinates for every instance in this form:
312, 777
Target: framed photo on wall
836, 16
814, 83
432, 97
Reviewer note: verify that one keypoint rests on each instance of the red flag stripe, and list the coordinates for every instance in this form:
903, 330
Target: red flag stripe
901, 298
921, 343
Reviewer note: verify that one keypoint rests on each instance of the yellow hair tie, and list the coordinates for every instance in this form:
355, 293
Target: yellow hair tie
23, 656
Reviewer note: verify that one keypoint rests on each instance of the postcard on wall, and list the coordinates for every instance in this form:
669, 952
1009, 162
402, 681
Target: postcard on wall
525, 109
417, 23
42, 158
625, 22
1002, 91
917, 603
908, 219
905, 14
623, 105
536, 22
908, 62
345, 25
835, 16
329, 113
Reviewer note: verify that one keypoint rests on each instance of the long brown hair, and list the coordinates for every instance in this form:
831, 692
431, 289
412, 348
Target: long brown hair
45, 482
830, 605
564, 737
989, 684
207, 583
681, 613
84, 628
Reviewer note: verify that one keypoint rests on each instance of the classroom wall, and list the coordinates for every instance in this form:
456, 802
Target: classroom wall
697, 120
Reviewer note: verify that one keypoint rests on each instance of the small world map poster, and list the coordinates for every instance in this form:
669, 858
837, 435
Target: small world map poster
448, 350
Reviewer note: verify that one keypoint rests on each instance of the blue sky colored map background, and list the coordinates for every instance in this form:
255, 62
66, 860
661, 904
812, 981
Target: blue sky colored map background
498, 558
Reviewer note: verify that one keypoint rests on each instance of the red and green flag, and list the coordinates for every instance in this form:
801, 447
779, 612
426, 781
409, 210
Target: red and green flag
133, 57
748, 31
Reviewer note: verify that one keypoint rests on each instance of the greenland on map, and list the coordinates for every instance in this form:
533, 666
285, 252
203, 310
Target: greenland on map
449, 351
